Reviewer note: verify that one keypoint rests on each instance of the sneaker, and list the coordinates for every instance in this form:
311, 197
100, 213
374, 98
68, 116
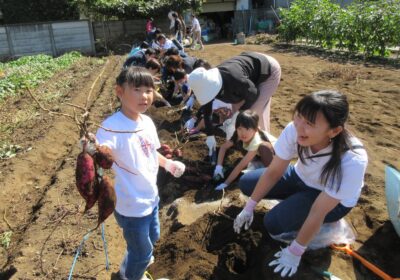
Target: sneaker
194, 131
151, 261
147, 276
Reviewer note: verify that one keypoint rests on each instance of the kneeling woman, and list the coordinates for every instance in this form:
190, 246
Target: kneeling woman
321, 187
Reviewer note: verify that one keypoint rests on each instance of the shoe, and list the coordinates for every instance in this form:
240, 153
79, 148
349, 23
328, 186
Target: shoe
193, 131
147, 276
192, 48
151, 261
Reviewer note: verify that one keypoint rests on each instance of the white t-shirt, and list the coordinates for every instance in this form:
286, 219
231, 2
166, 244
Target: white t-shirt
196, 25
137, 195
168, 44
354, 164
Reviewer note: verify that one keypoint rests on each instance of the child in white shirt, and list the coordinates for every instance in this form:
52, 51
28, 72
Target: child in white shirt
254, 141
135, 183
321, 187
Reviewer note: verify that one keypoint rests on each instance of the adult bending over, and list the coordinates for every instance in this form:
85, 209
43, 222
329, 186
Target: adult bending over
322, 187
246, 81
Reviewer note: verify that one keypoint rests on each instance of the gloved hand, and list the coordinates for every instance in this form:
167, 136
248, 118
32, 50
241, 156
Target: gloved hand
220, 187
190, 103
245, 217
190, 124
211, 144
287, 261
219, 171
89, 145
176, 168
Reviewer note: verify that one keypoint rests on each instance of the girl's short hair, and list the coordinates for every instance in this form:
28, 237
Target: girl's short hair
173, 62
247, 119
135, 76
335, 108
179, 74
153, 63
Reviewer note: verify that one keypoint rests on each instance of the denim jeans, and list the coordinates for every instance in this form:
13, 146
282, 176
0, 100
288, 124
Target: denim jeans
140, 234
297, 199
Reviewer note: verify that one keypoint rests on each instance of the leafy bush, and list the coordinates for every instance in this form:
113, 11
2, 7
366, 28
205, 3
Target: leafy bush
369, 26
30, 71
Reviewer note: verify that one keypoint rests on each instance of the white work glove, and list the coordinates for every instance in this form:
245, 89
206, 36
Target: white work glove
221, 186
286, 261
211, 144
190, 103
88, 144
176, 168
190, 124
245, 217
219, 171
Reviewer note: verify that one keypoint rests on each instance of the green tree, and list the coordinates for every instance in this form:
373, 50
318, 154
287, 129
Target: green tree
129, 9
38, 10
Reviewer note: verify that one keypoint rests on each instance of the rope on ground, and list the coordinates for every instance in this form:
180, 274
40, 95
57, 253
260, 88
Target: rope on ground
78, 251
105, 246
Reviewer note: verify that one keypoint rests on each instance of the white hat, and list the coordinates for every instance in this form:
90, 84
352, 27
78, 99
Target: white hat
205, 84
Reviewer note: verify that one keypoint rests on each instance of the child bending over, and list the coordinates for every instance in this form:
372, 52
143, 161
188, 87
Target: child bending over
254, 141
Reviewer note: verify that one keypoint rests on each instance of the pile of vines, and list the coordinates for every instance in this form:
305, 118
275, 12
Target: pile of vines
369, 27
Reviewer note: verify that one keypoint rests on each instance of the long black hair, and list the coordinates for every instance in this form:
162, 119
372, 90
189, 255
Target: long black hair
249, 120
135, 76
335, 108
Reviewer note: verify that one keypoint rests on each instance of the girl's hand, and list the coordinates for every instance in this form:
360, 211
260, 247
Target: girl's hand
190, 124
220, 187
288, 259
176, 168
219, 171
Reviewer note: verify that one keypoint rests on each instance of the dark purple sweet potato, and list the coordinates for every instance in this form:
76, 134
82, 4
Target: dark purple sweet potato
177, 153
85, 175
91, 199
107, 199
103, 157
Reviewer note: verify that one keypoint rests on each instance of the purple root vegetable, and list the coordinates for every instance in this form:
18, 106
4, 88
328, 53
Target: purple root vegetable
107, 199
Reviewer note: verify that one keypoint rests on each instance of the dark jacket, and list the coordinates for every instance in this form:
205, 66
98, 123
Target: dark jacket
241, 76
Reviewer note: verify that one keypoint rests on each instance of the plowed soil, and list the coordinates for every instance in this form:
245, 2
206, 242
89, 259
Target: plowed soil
39, 202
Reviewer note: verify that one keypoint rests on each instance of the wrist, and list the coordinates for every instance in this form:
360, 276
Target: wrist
250, 205
296, 249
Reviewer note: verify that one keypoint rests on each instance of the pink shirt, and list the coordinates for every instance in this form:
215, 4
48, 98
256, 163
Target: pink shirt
149, 26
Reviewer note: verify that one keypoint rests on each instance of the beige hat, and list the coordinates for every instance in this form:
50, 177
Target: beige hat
205, 84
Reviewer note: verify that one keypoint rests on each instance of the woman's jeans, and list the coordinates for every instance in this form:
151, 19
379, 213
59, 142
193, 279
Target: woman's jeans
140, 235
297, 200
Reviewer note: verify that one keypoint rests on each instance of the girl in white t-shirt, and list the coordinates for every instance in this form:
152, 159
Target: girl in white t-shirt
254, 141
321, 187
137, 194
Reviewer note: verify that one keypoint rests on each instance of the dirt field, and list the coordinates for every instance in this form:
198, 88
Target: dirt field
41, 206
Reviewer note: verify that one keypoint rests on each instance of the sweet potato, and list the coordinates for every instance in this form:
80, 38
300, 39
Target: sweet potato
107, 199
91, 199
168, 156
177, 152
85, 175
165, 149
103, 157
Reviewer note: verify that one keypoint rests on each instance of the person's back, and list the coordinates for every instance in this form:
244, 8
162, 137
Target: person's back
137, 59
